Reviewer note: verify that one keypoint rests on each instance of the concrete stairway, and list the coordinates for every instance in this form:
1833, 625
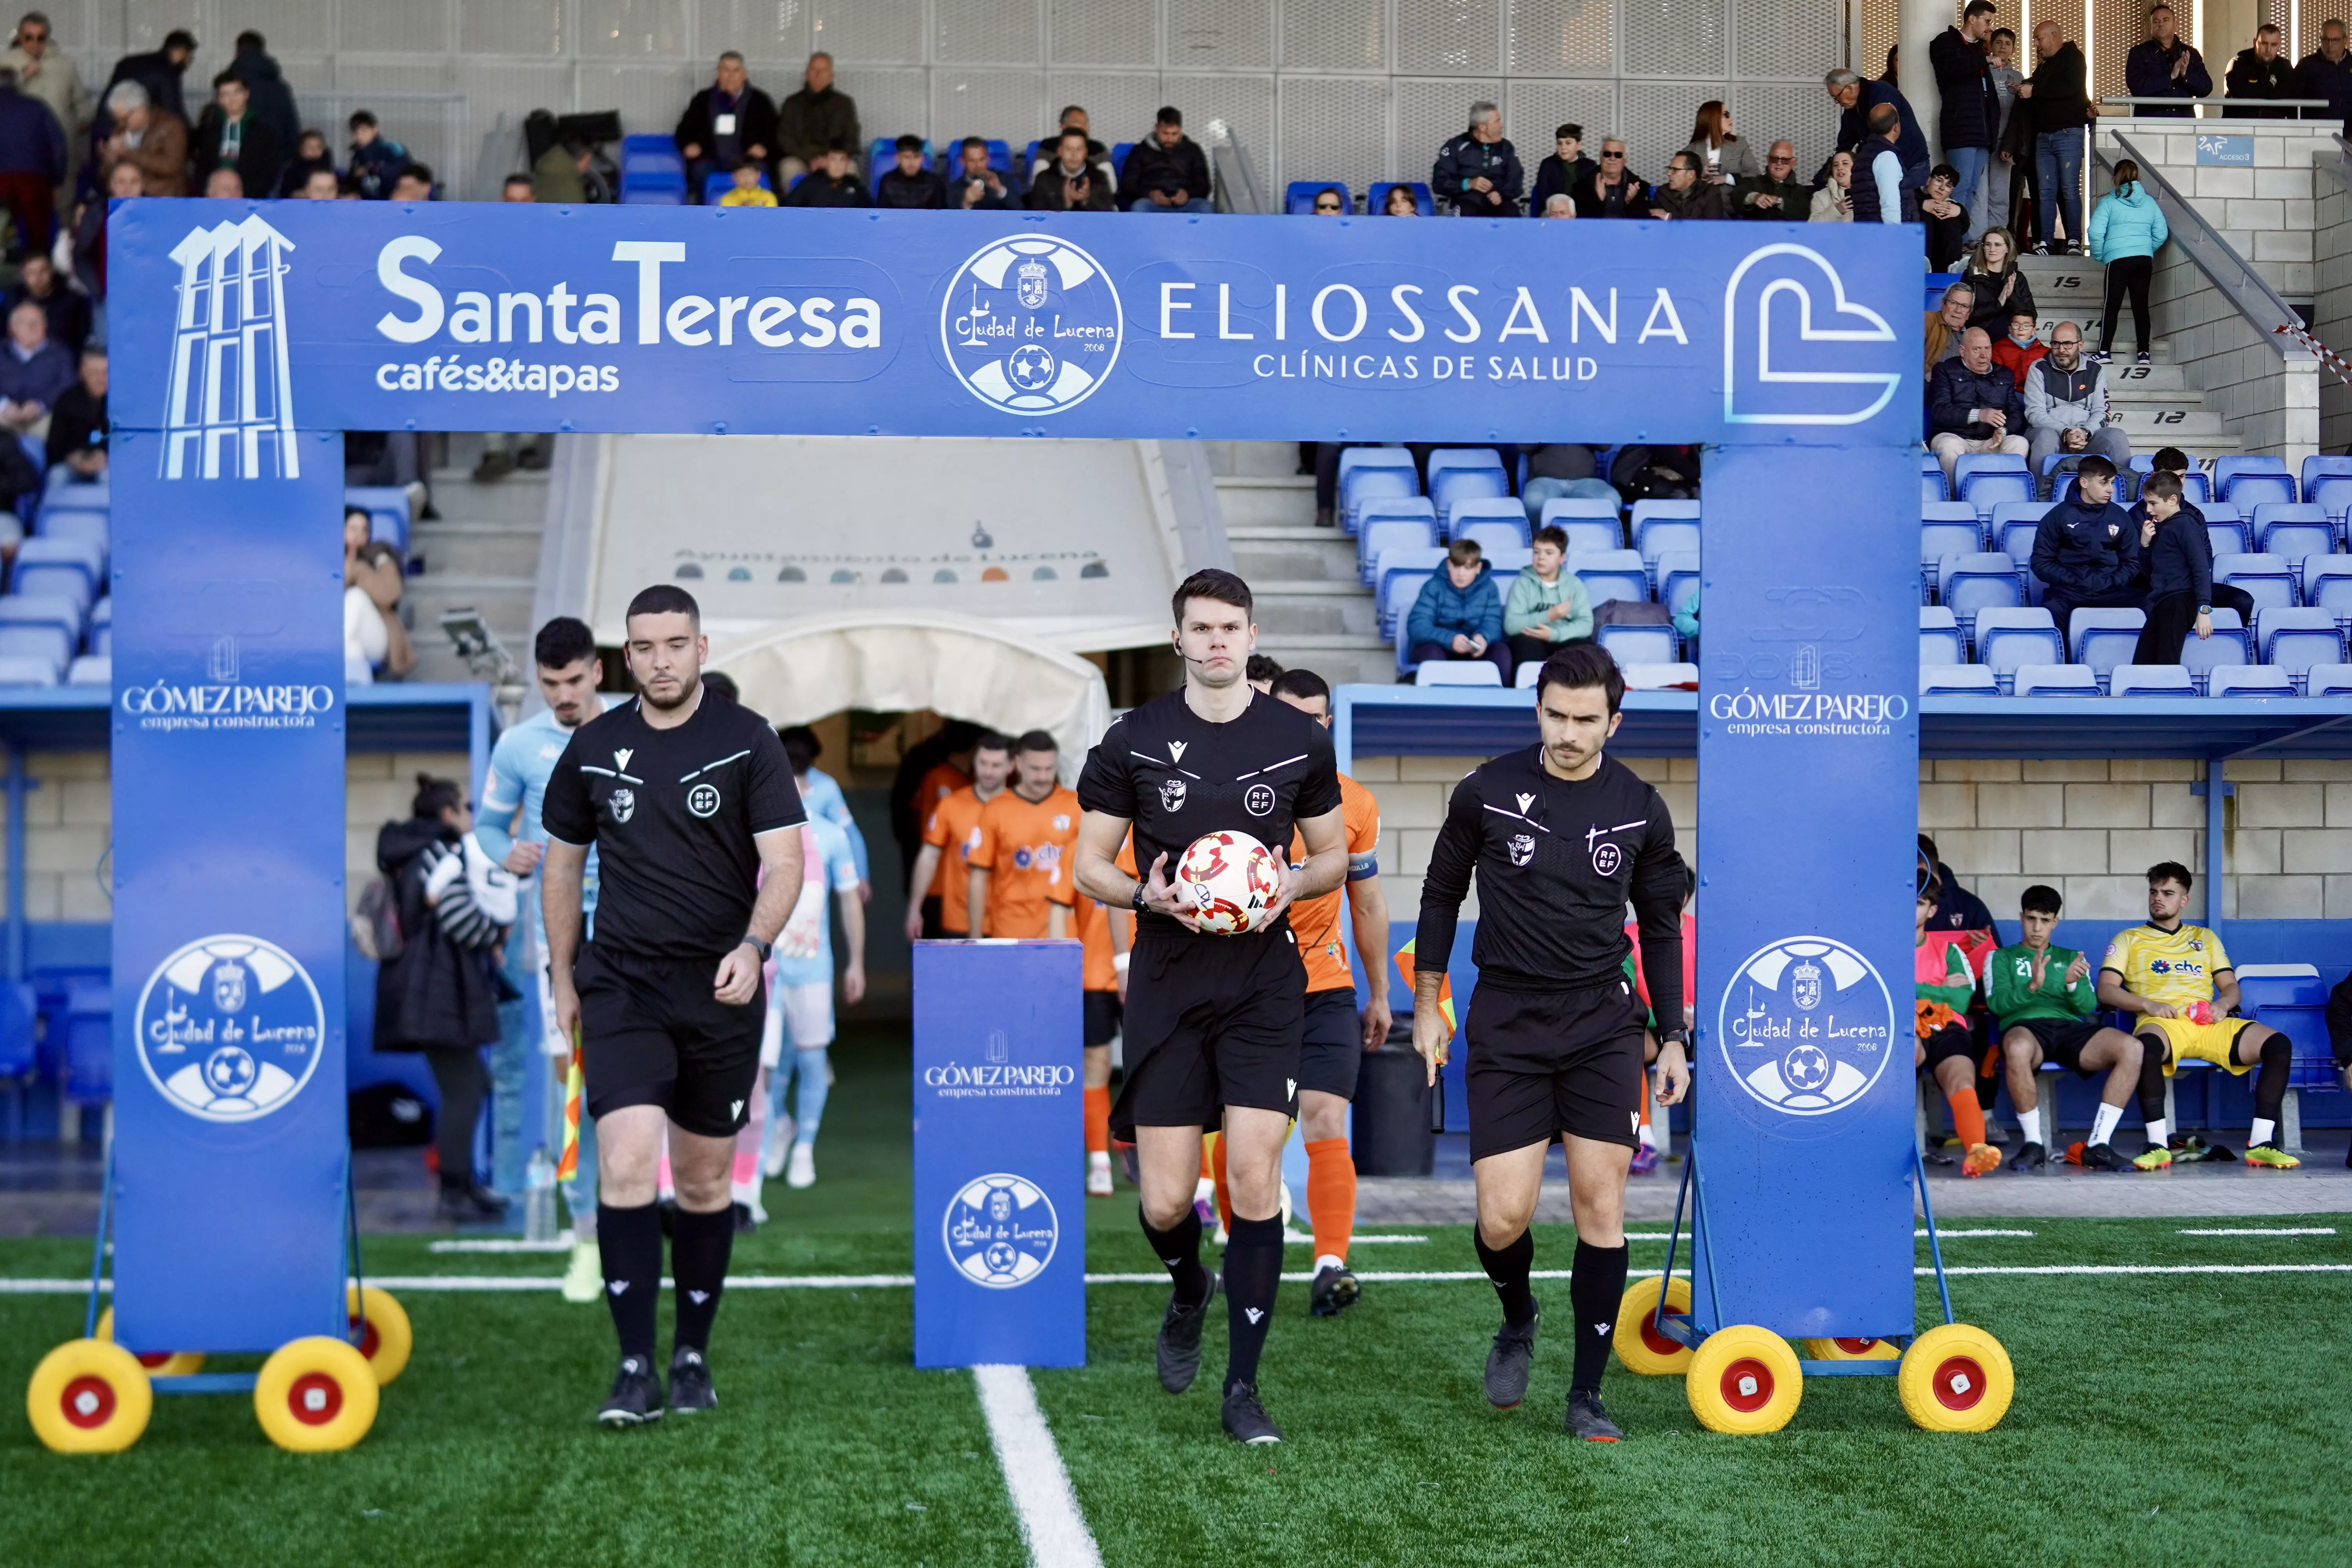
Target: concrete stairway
2160, 408
482, 552
1312, 612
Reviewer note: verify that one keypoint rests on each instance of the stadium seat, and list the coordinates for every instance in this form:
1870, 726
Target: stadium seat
1958, 680
2246, 482
2149, 680
1457, 672
1492, 521
2328, 582
652, 172
1656, 534
2332, 493
1660, 677
1640, 645
2007, 638
1678, 579
1299, 200
1590, 522
1939, 636
2013, 527
1985, 479
1981, 581
1401, 575
2105, 638
92, 493
101, 626
1611, 574
2228, 646
2328, 681
387, 509
1932, 486
1528, 674
15, 670
81, 524
2268, 579
1377, 473
2249, 680
2055, 680
49, 630
90, 670
1389, 527
1375, 197
1119, 152
72, 568
2295, 530
2295, 640
1507, 562
1466, 474
2225, 531
2314, 470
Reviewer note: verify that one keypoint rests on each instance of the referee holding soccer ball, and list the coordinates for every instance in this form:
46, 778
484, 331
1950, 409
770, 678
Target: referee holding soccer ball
1214, 1023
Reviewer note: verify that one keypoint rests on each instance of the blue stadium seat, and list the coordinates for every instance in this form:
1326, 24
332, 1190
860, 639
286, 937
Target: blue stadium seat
1676, 676
72, 568
1958, 680
2013, 526
2249, 680
1507, 562
1527, 674
1457, 672
1460, 474
1981, 580
1642, 511
2225, 531
652, 172
2328, 681
81, 524
2007, 638
90, 670
1375, 197
2295, 640
2228, 646
1678, 579
21, 671
1590, 522
2317, 469
2293, 530
92, 493
1497, 521
1369, 481
1932, 486
387, 509
1640, 645
1985, 479
2055, 680
2269, 579
719, 181
1119, 152
1388, 526
1654, 534
1611, 574
2328, 582
1401, 575
47, 628
2105, 638
1951, 529
101, 626
2246, 482
2194, 486
2150, 680
1939, 636
1299, 200
2332, 493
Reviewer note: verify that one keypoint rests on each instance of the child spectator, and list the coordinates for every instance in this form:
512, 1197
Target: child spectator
747, 192
1549, 606
1459, 615
376, 160
2020, 348
310, 158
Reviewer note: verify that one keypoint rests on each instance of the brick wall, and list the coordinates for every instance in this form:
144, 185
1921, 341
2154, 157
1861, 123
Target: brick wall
2331, 317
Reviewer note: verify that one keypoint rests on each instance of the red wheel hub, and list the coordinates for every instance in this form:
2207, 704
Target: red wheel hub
368, 1338
315, 1399
1959, 1382
1747, 1385
87, 1402
1856, 1347
150, 1360
1657, 1341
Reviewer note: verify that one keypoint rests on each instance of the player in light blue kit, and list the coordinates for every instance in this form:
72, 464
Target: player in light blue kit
801, 1005
821, 796
508, 829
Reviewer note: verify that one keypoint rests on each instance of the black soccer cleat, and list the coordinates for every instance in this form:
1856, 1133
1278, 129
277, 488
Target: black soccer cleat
636, 1399
689, 1383
1178, 1351
2031, 1157
1334, 1291
1588, 1420
1507, 1364
2103, 1157
1246, 1419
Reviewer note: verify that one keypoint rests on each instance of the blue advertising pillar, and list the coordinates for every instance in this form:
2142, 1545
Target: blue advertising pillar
999, 1154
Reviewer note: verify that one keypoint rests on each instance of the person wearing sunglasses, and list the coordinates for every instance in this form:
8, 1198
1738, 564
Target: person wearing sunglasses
1329, 203
1776, 194
1614, 190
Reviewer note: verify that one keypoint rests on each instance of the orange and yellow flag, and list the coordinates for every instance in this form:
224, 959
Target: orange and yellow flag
575, 1089
1405, 967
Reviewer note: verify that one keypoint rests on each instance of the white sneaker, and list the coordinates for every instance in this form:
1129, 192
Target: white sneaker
759, 1210
780, 1138
584, 1279
801, 1173
1098, 1175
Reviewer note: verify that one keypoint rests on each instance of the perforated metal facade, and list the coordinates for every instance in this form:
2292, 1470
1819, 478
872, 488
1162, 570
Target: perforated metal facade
1350, 90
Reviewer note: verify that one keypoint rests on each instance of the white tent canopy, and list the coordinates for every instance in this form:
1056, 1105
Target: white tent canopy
796, 672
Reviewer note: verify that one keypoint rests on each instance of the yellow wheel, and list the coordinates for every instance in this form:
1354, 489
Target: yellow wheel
158, 1364
1743, 1380
89, 1397
1851, 1350
315, 1396
1640, 1346
382, 1328
1956, 1378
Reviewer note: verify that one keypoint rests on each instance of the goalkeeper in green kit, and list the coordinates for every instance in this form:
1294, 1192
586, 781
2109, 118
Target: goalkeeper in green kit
2046, 999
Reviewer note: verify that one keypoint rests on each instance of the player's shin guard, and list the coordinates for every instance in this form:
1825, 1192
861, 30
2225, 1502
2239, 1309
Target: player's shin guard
699, 1246
1252, 1273
2270, 1088
1331, 1196
1507, 1268
1596, 1285
1179, 1248
630, 1242
1097, 1104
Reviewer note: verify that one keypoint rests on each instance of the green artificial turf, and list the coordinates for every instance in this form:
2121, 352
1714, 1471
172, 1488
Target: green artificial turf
2190, 1418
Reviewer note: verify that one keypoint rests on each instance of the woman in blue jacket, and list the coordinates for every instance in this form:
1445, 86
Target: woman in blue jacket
1458, 614
2126, 231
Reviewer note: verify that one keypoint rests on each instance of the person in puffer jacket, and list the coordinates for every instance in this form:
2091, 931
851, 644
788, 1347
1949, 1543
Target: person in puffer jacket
2126, 231
1459, 615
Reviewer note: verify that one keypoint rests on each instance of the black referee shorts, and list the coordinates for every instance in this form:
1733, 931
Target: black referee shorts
1211, 1021
1542, 1064
1101, 1018
2062, 1041
1333, 1048
652, 1034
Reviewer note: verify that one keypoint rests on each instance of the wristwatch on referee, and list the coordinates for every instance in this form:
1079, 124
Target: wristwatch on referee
1676, 1037
762, 948
1136, 898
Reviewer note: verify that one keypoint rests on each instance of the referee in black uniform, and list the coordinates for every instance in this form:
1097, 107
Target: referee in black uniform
1213, 1023
690, 802
1561, 839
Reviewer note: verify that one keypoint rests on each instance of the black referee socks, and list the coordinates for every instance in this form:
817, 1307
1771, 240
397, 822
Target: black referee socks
630, 1242
699, 1246
1252, 1271
1596, 1288
1507, 1268
1179, 1246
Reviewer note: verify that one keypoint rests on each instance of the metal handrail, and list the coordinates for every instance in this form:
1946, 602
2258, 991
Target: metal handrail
2244, 288
2225, 104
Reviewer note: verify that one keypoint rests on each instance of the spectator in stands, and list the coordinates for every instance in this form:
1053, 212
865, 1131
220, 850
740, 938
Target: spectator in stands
1566, 171
1941, 332
1559, 469
273, 101
120, 180
1560, 205
560, 177
1547, 606
1400, 203
309, 156
66, 310
326, 185
151, 138
2259, 74
744, 190
1855, 100
1971, 118
223, 185
44, 72
412, 183
78, 430
32, 163
233, 135
811, 119
1973, 404
1329, 202
1478, 170
1833, 203
1997, 286
2062, 108
1458, 615
2127, 229
2181, 595
726, 124
1776, 194
1722, 158
1684, 194
1166, 171
911, 180
1945, 218
375, 642
2019, 349
1616, 191
978, 186
2000, 65
1074, 117
2327, 73
1884, 188
157, 75
34, 371
376, 159
2085, 550
833, 183
1070, 183
2165, 65
2066, 403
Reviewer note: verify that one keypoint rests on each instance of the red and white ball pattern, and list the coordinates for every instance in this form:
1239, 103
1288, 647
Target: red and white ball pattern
1230, 879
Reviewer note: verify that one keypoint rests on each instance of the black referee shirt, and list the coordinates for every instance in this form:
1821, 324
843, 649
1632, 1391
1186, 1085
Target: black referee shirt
1557, 864
1176, 776
672, 813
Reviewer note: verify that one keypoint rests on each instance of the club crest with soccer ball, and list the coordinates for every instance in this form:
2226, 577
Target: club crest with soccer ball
1807, 1025
1230, 879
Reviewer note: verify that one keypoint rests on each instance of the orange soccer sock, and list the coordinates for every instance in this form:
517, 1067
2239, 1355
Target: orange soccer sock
1208, 1172
1967, 1117
1643, 1131
1331, 1196
1098, 1121
1225, 1195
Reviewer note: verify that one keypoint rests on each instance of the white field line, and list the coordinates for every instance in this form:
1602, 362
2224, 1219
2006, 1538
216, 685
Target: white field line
1300, 1238
2262, 1230
1050, 1525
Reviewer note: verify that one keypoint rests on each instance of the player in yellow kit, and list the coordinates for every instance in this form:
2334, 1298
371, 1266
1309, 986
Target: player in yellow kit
2177, 978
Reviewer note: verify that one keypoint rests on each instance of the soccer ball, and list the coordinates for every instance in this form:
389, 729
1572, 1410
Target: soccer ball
1031, 368
1230, 879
